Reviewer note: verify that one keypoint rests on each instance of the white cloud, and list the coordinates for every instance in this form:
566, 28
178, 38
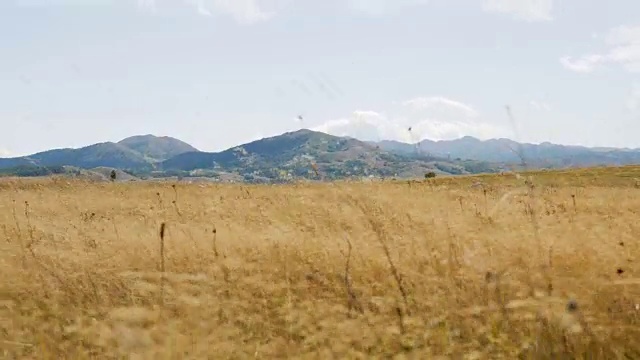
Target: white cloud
633, 99
435, 129
623, 43
540, 105
440, 103
4, 153
434, 118
583, 64
526, 10
243, 11
366, 125
40, 3
381, 7
147, 5
201, 8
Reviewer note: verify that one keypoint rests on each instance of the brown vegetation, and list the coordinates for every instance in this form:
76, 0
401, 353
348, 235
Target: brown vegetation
415, 269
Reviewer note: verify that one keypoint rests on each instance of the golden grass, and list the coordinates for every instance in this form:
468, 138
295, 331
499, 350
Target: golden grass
347, 270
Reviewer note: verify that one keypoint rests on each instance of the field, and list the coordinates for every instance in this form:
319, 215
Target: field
407, 269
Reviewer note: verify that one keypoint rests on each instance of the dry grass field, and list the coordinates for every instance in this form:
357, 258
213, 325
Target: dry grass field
415, 270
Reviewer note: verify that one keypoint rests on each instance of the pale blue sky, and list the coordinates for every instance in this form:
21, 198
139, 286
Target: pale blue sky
217, 73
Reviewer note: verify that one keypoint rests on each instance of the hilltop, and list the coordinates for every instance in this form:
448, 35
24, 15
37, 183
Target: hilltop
137, 154
157, 148
106, 154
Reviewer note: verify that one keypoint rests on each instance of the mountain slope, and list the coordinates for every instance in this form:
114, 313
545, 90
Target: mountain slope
107, 154
157, 148
294, 154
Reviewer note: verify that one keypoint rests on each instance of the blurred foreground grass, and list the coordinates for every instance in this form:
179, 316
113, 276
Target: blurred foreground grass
409, 269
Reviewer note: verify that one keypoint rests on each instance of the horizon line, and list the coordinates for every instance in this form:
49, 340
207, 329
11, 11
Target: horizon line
320, 132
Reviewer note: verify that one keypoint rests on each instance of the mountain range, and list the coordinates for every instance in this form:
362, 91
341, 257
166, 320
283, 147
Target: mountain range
137, 152
544, 155
306, 154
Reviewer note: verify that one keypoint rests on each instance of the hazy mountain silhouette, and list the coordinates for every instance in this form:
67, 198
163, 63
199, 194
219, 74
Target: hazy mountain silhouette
508, 151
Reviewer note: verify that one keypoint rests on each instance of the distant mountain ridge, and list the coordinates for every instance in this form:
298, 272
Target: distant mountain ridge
136, 152
310, 154
508, 151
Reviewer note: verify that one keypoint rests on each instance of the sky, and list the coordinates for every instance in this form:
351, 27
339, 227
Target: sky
218, 73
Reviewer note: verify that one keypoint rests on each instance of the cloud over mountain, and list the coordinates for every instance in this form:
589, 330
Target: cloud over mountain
434, 118
5, 153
